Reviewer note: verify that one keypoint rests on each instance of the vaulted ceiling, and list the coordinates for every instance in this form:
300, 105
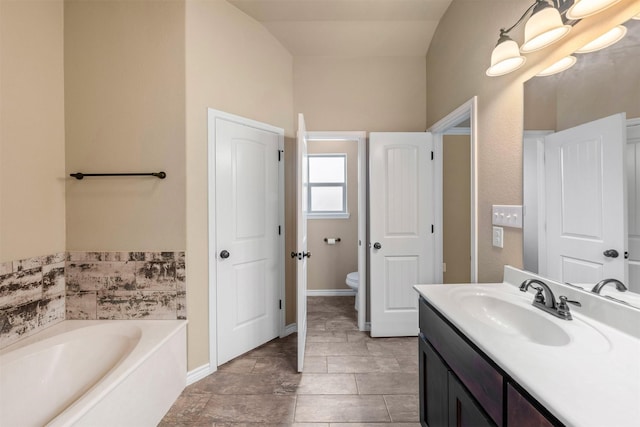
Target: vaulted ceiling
349, 27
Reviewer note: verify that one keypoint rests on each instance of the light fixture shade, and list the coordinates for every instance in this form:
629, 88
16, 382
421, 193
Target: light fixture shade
636, 17
607, 39
505, 57
564, 64
543, 28
583, 8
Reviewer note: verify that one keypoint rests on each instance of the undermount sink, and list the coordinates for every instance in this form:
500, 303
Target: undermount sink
513, 319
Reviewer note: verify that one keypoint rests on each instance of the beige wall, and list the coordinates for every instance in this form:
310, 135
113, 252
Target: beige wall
235, 65
125, 109
330, 264
361, 93
456, 208
540, 104
456, 64
32, 205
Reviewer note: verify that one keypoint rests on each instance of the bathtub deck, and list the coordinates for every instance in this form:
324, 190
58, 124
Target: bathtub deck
348, 378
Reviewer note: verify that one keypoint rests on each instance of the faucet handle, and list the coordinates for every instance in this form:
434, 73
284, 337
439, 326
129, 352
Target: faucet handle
564, 300
563, 308
539, 297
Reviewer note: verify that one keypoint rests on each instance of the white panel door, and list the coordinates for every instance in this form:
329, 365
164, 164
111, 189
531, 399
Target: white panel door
585, 189
401, 218
301, 242
633, 203
247, 248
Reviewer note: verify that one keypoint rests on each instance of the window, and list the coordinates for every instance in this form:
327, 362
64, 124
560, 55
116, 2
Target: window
327, 197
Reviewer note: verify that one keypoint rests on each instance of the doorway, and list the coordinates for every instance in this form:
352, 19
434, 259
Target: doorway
461, 121
331, 233
456, 206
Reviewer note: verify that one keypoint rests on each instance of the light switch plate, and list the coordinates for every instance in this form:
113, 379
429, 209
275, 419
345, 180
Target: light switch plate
498, 237
507, 215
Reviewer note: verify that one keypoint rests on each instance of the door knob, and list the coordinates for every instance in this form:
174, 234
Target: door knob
224, 254
306, 254
611, 253
377, 245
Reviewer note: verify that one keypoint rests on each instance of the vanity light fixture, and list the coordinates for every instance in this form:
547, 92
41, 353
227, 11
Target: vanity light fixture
583, 8
607, 39
544, 26
564, 64
505, 57
636, 17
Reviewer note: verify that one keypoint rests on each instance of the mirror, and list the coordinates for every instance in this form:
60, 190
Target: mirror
601, 84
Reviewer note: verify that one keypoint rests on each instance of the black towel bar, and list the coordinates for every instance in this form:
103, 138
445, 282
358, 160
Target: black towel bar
80, 175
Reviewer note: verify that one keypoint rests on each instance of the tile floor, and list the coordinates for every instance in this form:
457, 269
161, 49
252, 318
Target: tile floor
349, 380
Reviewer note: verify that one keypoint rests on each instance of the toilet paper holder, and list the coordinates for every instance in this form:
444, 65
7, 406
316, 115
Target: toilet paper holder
332, 240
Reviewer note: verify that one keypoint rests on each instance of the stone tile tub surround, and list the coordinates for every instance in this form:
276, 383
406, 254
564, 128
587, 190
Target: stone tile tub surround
32, 296
125, 285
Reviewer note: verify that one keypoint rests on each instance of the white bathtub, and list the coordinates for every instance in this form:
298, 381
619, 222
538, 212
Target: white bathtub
94, 373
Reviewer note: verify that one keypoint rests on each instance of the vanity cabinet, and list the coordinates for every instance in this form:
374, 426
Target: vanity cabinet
461, 386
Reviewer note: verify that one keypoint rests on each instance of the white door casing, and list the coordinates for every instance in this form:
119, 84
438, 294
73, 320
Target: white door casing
633, 203
301, 241
247, 215
450, 124
533, 198
401, 219
585, 202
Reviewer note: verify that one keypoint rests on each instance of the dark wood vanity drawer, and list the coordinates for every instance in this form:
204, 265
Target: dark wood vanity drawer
522, 412
481, 379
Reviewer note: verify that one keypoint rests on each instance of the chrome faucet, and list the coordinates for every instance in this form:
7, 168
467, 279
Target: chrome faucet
601, 284
543, 296
546, 301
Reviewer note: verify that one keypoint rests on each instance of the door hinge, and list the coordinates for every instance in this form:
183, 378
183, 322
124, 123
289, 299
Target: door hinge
280, 304
279, 230
280, 152
432, 229
432, 155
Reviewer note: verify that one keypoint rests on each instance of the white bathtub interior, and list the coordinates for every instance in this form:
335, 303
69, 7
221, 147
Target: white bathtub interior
94, 373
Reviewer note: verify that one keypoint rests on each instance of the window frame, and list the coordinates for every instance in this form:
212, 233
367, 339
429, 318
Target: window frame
327, 214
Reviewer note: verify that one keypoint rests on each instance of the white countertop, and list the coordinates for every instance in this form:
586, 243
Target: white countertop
593, 380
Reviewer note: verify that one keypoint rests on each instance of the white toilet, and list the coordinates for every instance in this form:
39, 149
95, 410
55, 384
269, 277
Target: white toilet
353, 281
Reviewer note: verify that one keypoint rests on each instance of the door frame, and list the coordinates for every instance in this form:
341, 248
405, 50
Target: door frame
212, 115
445, 126
632, 264
533, 201
359, 137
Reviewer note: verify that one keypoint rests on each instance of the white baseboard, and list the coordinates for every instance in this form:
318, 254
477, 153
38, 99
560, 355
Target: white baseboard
289, 329
199, 373
330, 292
